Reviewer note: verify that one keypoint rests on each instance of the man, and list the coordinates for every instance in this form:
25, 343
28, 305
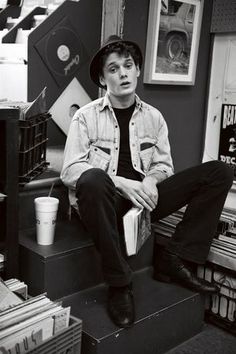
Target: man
117, 156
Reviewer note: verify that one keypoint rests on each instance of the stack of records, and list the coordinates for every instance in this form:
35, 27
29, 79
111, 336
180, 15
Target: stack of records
223, 249
28, 109
166, 226
25, 322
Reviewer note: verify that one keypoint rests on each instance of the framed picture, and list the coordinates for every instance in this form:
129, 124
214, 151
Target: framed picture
172, 41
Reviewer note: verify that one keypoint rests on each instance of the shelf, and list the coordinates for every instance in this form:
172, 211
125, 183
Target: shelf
9, 138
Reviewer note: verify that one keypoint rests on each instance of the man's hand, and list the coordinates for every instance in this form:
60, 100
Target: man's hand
141, 194
150, 184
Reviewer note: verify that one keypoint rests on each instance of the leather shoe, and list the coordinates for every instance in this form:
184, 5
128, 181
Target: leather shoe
171, 268
121, 306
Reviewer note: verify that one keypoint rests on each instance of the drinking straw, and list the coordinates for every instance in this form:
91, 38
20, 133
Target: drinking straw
50, 191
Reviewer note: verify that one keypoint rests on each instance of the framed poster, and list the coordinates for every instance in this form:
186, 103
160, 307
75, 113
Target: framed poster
174, 28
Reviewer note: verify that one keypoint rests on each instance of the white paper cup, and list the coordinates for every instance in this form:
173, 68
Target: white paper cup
46, 214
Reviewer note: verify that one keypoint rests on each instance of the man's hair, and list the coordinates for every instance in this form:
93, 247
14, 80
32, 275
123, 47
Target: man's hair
122, 49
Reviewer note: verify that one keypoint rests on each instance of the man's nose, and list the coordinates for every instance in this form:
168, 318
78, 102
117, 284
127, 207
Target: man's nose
122, 72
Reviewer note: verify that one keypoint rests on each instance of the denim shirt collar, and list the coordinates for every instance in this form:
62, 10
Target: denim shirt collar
106, 102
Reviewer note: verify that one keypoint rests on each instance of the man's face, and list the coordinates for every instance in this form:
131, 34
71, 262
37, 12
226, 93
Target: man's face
120, 75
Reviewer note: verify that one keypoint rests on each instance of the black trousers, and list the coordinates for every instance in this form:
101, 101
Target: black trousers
202, 188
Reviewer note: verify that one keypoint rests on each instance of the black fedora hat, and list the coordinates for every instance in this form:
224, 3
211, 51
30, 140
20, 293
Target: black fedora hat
95, 62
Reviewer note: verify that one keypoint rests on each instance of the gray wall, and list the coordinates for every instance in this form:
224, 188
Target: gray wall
182, 106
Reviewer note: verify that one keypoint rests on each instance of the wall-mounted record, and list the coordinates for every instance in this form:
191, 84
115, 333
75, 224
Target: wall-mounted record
62, 51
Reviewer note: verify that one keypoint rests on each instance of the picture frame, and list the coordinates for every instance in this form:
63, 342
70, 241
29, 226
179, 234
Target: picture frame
173, 35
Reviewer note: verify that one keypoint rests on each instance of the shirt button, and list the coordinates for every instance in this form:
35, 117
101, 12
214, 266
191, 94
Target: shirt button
116, 148
132, 123
114, 170
116, 126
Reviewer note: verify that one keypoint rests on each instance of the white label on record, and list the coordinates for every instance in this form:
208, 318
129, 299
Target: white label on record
63, 52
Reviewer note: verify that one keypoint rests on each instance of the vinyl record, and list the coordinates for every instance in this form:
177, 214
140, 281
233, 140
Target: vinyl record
63, 51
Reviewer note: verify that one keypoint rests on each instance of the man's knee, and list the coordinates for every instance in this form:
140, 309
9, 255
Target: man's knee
94, 181
225, 173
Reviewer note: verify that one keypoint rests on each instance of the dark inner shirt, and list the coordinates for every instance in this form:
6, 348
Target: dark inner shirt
125, 168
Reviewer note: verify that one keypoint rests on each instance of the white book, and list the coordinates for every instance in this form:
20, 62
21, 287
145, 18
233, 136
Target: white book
134, 232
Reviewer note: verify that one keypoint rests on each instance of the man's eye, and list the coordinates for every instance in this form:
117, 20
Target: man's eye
112, 69
129, 65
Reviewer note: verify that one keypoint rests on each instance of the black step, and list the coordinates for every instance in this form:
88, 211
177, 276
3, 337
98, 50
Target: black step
70, 264
166, 315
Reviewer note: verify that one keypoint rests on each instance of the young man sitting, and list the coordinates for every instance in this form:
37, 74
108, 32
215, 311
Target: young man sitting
117, 155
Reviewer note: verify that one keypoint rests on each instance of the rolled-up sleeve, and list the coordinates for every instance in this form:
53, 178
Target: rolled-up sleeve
76, 151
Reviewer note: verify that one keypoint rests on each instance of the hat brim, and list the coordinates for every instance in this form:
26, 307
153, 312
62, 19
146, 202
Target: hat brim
95, 62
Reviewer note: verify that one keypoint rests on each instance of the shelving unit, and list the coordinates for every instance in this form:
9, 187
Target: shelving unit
9, 138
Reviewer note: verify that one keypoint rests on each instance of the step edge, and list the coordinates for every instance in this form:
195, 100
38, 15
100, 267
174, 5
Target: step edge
141, 319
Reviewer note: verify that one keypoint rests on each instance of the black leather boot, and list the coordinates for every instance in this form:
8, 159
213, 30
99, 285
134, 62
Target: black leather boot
121, 306
171, 268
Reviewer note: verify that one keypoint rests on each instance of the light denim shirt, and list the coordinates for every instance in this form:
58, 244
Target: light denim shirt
94, 141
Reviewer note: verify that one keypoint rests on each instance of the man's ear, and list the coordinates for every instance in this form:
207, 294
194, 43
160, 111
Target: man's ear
138, 70
102, 81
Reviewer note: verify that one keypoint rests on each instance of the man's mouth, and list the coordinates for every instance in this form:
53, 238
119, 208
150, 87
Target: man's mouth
125, 83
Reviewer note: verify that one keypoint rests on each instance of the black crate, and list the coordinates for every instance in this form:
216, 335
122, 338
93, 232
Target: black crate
221, 308
32, 147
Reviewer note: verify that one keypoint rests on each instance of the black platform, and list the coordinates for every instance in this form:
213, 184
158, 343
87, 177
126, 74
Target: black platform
70, 264
166, 315
70, 270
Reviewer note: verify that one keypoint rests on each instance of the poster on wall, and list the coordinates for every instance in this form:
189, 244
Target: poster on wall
227, 144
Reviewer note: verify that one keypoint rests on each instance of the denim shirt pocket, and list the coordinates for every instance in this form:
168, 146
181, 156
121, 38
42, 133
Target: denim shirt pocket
147, 148
99, 157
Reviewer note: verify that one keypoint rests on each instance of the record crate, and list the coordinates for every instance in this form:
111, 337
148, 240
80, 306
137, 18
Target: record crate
66, 341
32, 147
221, 307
